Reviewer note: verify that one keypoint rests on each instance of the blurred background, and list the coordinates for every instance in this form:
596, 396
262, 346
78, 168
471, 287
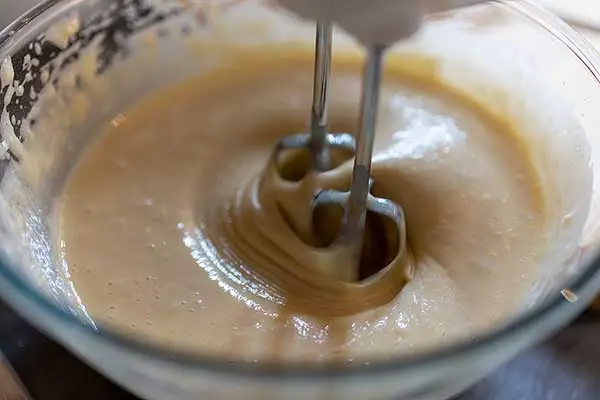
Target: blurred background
11, 8
586, 11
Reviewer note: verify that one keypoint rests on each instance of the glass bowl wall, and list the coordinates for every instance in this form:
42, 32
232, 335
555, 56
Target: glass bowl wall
68, 66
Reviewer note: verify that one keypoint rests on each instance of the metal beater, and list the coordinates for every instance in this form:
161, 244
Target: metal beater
376, 24
358, 200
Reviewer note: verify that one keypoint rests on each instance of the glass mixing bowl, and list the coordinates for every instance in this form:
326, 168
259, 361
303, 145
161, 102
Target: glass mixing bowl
69, 66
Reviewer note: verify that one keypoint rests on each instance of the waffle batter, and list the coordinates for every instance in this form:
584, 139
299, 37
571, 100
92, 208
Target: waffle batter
172, 232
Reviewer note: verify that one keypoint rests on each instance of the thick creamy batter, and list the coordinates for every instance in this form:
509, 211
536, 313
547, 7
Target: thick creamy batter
172, 232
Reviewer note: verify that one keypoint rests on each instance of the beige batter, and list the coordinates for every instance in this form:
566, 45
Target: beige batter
172, 232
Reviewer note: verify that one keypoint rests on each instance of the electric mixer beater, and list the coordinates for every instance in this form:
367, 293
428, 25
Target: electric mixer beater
377, 25
358, 200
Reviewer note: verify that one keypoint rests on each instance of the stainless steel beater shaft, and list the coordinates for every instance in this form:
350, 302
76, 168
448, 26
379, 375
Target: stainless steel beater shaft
358, 200
321, 159
361, 174
319, 141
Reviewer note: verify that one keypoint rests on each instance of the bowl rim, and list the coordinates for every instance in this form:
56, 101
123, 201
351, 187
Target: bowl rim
328, 370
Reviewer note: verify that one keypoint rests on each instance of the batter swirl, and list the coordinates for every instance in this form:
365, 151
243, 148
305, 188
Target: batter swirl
173, 230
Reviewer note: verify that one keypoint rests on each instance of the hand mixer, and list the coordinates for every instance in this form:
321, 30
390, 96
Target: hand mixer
376, 24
